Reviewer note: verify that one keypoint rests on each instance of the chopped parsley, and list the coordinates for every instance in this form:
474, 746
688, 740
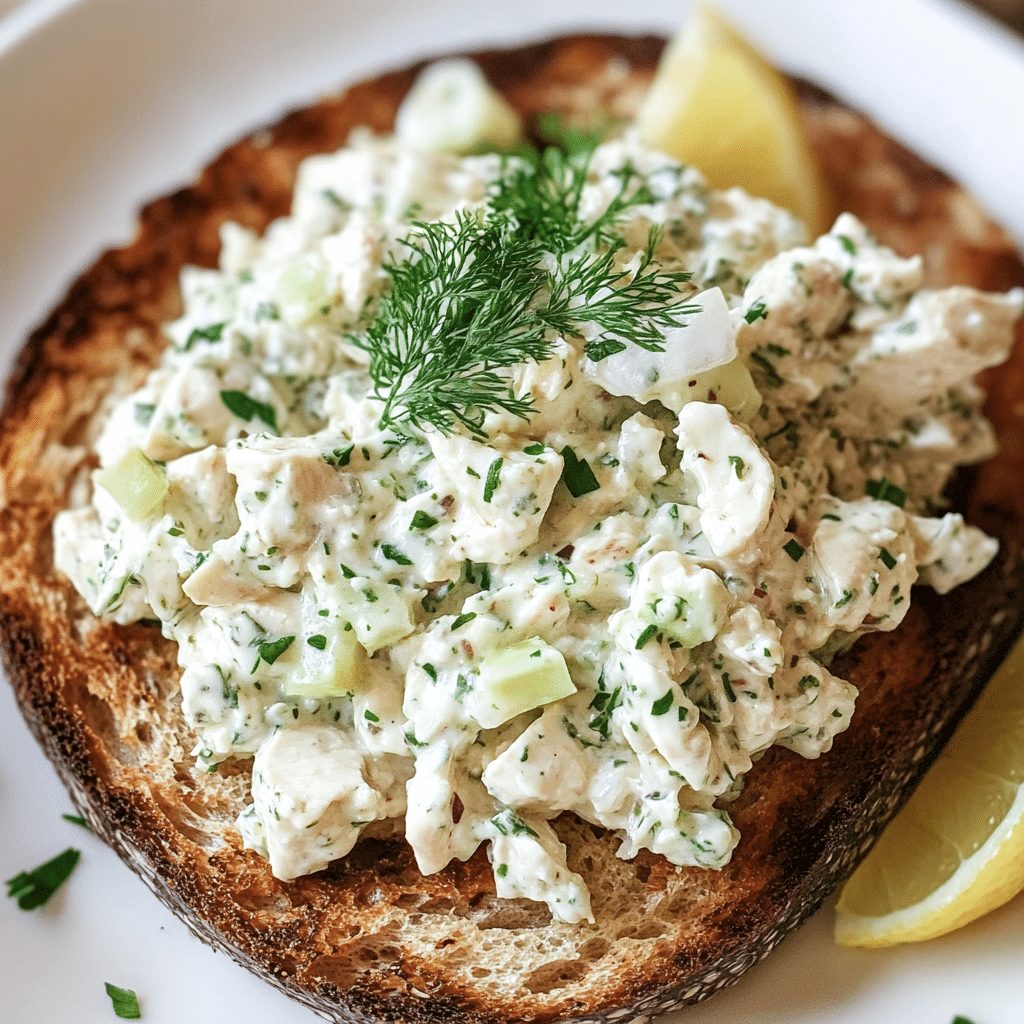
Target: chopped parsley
390, 551
577, 475
662, 704
885, 490
756, 311
273, 649
793, 549
493, 478
246, 408
211, 333
422, 520
34, 888
124, 1001
645, 637
340, 457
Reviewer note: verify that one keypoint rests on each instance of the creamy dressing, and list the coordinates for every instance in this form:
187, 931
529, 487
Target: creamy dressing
690, 533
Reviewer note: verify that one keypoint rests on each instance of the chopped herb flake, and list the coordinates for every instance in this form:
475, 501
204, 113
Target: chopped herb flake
577, 475
33, 888
662, 704
646, 635
124, 1001
422, 520
246, 408
756, 311
390, 551
793, 549
273, 650
493, 478
885, 490
211, 333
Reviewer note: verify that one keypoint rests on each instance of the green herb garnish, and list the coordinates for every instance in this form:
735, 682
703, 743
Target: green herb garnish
125, 1002
273, 650
793, 549
662, 704
481, 293
493, 478
33, 888
885, 490
422, 520
211, 333
756, 311
246, 408
390, 551
577, 474
644, 638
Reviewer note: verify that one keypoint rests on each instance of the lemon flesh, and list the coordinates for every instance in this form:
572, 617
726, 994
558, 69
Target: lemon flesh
956, 850
717, 104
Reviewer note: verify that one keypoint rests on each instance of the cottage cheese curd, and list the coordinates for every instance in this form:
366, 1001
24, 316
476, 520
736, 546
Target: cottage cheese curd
611, 605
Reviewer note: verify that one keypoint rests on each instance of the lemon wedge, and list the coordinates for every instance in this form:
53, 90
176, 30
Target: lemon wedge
956, 850
717, 104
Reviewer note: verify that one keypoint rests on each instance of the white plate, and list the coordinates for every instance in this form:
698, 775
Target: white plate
105, 103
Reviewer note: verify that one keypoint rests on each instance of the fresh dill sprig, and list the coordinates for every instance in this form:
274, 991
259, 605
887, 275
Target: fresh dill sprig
474, 296
638, 308
458, 311
542, 194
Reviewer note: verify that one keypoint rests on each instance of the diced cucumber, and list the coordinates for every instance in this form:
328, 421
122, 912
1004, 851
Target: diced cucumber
517, 679
135, 482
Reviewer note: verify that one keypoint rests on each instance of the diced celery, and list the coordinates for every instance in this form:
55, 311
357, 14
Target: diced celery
331, 670
452, 108
135, 482
302, 291
517, 679
689, 605
377, 611
730, 385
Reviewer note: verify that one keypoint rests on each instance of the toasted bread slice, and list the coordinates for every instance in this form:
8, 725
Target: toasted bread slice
370, 938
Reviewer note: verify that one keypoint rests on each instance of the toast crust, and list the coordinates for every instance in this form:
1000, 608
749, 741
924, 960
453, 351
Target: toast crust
370, 939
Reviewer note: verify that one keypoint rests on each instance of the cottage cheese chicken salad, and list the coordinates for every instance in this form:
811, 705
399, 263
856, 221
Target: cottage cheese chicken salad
484, 488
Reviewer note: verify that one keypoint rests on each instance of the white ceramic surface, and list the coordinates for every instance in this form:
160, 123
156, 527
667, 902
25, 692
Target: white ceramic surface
105, 103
